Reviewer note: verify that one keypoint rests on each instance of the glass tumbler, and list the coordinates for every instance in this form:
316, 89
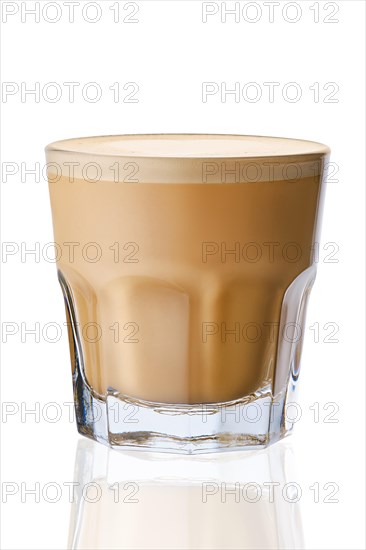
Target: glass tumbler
185, 263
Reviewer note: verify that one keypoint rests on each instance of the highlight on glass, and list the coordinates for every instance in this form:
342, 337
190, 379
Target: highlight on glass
186, 263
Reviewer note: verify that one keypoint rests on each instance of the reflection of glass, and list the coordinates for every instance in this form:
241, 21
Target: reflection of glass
146, 501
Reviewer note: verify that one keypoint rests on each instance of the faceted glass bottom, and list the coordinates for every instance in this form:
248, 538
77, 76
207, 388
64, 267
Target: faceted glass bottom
251, 422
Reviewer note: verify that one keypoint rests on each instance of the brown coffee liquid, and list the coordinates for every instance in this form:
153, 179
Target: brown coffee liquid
178, 288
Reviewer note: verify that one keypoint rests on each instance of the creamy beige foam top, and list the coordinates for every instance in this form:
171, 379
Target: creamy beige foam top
192, 146
185, 158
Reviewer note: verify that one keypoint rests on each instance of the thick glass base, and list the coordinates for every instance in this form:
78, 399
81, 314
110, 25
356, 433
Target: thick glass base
118, 421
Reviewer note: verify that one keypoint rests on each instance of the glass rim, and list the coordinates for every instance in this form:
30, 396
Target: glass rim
185, 158
315, 149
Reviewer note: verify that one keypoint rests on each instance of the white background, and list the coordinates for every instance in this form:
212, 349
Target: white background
169, 53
